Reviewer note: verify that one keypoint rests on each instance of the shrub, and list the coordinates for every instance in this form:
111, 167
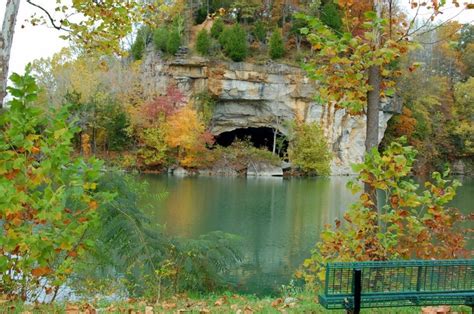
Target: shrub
217, 28
260, 31
309, 149
411, 224
203, 42
173, 43
160, 38
277, 47
234, 42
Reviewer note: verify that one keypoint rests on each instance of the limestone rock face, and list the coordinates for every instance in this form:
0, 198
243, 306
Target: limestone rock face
251, 95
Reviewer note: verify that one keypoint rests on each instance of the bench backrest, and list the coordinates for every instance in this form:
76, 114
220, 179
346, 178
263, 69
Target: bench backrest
401, 277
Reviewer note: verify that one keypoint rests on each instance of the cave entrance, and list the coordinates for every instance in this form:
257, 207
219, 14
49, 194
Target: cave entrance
262, 137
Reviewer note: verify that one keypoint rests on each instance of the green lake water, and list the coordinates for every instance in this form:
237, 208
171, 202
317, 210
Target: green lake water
278, 220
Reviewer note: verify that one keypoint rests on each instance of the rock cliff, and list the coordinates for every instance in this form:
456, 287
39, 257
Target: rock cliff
250, 95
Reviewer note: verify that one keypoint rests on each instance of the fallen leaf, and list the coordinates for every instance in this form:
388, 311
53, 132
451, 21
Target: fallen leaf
148, 309
168, 306
41, 271
277, 302
221, 301
72, 309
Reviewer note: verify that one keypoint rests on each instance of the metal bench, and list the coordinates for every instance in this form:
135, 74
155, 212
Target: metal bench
357, 285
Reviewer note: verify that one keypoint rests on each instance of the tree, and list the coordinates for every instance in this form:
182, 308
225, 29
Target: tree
203, 42
330, 16
49, 198
234, 42
277, 47
413, 223
160, 38
246, 9
217, 27
6, 40
138, 47
309, 150
260, 31
464, 117
173, 43
187, 134
356, 69
102, 26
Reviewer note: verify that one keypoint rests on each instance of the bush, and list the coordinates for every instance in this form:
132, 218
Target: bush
173, 43
234, 42
260, 31
203, 42
309, 149
217, 28
410, 224
160, 38
277, 47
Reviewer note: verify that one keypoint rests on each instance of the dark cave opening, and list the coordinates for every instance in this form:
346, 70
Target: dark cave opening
259, 137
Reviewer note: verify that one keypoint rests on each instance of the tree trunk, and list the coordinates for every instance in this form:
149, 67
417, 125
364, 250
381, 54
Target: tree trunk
274, 141
373, 104
6, 40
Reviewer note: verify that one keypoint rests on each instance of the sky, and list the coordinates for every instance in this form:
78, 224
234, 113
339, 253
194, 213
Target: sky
34, 42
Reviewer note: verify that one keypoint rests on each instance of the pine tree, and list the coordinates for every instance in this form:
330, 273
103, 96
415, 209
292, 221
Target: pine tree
217, 28
234, 42
277, 47
203, 42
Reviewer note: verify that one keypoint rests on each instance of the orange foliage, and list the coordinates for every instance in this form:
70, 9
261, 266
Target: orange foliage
187, 133
406, 124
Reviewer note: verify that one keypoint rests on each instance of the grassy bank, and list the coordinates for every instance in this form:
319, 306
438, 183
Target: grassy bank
209, 303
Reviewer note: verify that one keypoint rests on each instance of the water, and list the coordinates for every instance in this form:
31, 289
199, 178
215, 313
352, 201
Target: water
278, 220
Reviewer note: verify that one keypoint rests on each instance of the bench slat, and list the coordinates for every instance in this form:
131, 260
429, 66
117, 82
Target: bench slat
401, 283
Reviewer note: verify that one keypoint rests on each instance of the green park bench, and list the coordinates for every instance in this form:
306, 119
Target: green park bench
356, 285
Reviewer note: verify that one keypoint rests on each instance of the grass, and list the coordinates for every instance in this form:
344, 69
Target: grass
202, 303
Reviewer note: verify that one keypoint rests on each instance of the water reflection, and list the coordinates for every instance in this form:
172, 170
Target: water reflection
279, 220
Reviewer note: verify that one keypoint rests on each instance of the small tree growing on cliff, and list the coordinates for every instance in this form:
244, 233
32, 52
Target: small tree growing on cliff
234, 43
277, 47
309, 148
174, 40
217, 28
203, 42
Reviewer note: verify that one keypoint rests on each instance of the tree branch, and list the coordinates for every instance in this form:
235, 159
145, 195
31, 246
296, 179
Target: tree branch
51, 19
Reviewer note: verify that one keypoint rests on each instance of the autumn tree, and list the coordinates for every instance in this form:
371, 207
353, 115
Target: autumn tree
414, 223
102, 26
356, 69
49, 198
309, 150
148, 124
187, 134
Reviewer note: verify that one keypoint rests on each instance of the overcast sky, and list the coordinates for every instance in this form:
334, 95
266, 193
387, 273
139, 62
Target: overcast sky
33, 42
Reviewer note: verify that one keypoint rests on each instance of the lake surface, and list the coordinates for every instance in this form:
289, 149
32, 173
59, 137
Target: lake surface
279, 220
